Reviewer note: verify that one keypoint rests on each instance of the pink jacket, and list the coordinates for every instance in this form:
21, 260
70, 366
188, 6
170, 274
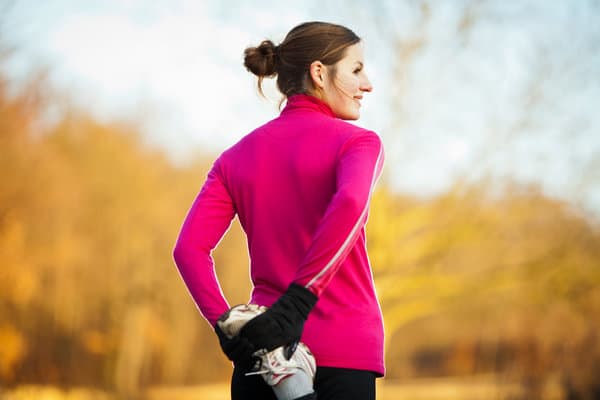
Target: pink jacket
300, 185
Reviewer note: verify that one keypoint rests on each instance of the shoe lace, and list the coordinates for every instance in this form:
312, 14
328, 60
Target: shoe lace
271, 362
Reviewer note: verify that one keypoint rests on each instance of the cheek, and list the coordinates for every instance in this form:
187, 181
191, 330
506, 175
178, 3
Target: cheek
349, 84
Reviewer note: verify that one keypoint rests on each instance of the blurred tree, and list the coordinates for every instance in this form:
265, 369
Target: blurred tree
484, 279
89, 293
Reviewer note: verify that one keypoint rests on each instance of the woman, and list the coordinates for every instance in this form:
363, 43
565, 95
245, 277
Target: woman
300, 185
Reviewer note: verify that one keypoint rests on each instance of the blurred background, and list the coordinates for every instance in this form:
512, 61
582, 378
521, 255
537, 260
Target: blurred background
484, 231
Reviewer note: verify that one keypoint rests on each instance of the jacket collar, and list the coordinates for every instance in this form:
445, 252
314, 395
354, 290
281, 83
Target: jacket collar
307, 102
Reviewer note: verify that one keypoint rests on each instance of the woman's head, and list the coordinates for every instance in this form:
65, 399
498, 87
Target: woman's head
317, 58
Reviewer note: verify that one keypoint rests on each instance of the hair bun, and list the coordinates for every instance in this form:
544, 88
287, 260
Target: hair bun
262, 60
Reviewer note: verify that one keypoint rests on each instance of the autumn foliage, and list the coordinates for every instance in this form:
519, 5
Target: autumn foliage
487, 278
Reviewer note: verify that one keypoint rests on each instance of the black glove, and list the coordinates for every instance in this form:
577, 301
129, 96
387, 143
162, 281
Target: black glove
283, 322
237, 349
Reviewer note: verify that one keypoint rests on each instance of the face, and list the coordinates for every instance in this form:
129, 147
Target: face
344, 90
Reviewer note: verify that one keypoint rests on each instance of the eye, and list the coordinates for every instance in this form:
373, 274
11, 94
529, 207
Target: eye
357, 70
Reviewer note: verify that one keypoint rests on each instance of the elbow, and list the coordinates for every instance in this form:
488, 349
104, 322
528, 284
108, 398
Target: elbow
186, 254
353, 202
179, 254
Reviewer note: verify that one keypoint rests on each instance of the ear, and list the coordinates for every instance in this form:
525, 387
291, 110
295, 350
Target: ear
317, 72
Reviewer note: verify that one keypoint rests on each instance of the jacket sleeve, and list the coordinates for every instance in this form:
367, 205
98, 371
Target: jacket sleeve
207, 221
360, 164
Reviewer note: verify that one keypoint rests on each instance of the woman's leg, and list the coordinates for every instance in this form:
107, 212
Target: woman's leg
330, 384
249, 387
346, 384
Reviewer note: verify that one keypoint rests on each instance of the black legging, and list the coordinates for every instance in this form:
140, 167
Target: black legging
330, 384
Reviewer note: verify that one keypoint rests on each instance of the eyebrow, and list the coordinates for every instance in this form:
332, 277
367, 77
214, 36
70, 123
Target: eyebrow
359, 62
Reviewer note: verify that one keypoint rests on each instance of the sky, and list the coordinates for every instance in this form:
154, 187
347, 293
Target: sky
462, 89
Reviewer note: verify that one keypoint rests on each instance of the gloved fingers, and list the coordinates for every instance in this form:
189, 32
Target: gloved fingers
237, 349
240, 349
241, 352
263, 332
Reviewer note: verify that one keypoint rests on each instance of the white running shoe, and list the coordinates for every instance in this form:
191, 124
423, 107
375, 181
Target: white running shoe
274, 365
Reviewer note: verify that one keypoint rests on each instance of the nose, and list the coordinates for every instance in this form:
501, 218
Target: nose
365, 84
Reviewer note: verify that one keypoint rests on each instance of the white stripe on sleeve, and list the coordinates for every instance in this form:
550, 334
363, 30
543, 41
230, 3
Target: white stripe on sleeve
354, 229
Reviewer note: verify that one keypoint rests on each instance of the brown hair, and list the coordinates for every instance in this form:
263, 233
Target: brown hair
290, 60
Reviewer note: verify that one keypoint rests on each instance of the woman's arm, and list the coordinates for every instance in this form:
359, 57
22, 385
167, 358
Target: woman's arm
207, 221
359, 166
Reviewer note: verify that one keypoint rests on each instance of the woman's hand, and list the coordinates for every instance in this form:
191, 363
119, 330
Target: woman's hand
237, 349
283, 322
